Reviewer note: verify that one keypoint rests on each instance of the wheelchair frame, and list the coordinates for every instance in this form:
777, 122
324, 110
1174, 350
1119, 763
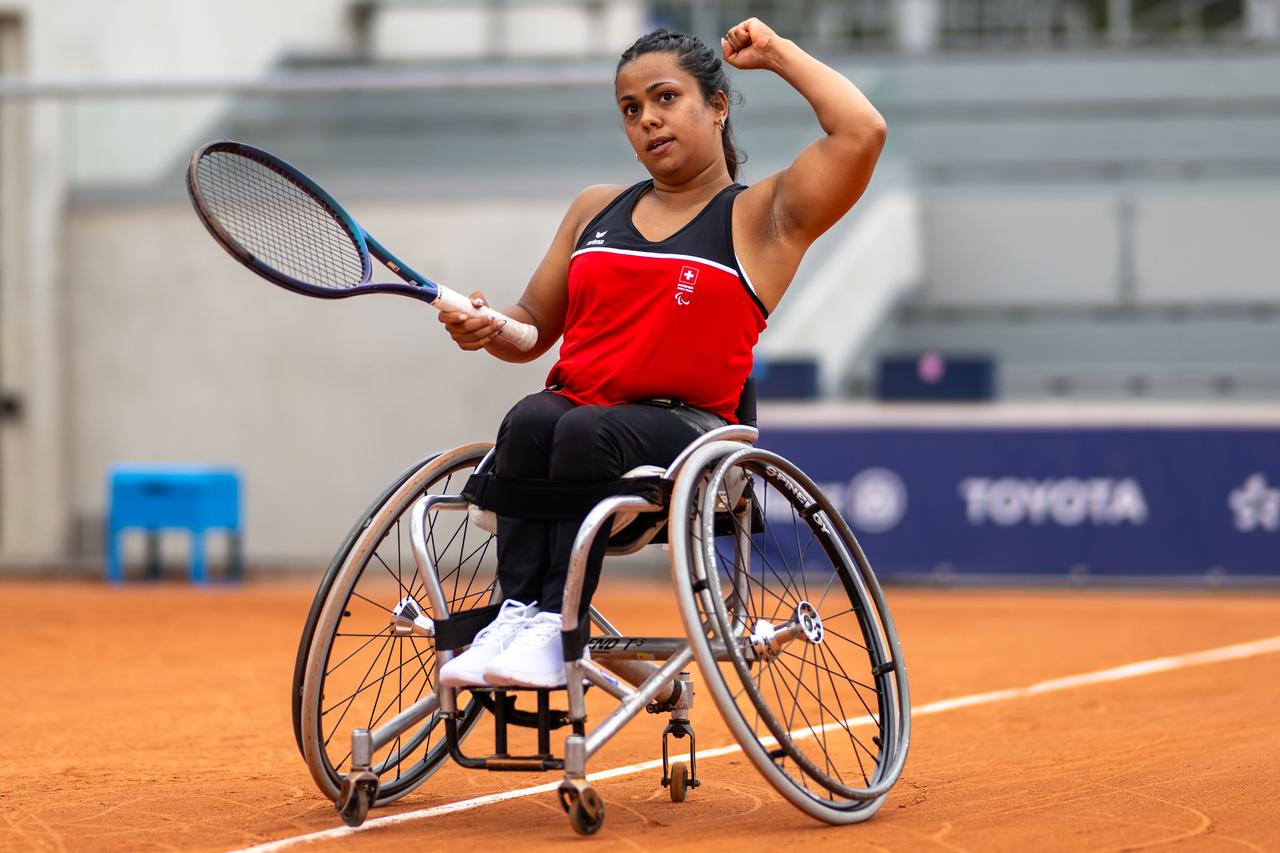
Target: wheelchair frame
623, 667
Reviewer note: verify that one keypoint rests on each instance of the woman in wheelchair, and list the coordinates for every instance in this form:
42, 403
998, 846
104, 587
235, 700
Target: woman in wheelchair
660, 291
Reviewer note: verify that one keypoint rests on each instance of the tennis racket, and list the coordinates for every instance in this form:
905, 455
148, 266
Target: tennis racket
283, 226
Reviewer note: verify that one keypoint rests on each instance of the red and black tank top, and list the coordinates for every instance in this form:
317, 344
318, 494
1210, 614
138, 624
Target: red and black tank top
676, 318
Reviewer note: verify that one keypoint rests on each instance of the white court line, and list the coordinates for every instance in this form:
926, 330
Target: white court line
1119, 673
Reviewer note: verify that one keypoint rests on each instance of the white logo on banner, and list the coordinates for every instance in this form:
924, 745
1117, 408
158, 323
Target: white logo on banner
877, 500
1069, 502
1256, 506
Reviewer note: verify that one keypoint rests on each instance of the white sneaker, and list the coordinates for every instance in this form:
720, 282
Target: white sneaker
533, 658
467, 669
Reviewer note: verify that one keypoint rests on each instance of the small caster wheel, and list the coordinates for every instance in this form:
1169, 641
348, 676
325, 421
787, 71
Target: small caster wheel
679, 787
584, 807
356, 794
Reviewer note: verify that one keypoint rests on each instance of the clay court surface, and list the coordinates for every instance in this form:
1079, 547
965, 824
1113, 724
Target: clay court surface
156, 717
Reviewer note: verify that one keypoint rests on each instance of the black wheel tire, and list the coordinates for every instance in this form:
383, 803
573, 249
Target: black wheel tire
356, 799
586, 812
383, 519
767, 559
326, 583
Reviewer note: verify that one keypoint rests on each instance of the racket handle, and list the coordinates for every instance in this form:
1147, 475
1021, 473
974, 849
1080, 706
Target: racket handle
522, 335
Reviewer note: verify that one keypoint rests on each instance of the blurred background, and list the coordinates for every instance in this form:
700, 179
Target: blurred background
1045, 345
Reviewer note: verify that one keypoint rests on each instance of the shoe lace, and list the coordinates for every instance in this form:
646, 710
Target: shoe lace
511, 616
540, 630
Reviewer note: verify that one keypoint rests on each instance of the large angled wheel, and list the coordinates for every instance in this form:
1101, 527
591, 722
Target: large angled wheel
790, 630
362, 660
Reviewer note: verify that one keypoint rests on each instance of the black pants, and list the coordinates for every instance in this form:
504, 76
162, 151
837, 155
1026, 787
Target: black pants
546, 435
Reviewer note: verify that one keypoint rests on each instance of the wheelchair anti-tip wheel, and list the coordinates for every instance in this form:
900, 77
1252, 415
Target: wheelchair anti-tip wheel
355, 796
791, 631
367, 651
678, 787
583, 805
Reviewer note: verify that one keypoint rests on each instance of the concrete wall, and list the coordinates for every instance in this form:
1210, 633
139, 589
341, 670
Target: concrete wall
986, 246
119, 141
81, 38
1098, 245
1219, 243
179, 354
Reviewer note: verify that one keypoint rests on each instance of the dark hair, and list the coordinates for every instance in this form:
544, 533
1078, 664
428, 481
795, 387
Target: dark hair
703, 65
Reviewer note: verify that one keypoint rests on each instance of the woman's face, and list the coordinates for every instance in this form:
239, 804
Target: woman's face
668, 122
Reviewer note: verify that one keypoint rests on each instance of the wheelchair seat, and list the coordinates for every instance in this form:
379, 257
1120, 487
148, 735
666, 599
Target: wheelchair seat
749, 536
553, 501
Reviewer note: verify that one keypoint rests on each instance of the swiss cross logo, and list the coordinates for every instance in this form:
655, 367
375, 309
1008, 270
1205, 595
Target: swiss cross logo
684, 285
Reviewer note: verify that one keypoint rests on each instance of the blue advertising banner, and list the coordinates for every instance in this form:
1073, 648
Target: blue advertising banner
1079, 502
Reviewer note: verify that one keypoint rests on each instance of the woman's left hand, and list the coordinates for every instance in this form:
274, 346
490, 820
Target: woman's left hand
751, 44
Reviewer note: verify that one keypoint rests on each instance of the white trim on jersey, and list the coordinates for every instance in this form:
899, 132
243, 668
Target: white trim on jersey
693, 258
746, 278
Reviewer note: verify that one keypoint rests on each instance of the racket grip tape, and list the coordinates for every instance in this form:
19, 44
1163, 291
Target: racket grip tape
522, 335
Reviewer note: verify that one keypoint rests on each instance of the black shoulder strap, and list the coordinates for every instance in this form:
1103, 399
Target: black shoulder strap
629, 192
733, 253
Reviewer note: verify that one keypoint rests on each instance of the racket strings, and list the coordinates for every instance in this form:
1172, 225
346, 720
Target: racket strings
278, 222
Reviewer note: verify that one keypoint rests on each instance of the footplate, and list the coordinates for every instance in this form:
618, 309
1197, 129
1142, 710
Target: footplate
501, 704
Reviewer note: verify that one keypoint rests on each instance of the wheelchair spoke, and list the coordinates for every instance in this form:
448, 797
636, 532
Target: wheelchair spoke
372, 722
780, 605
363, 686
809, 699
818, 732
479, 554
827, 628
795, 705
400, 560
826, 619
366, 600
373, 706
392, 702
762, 612
844, 718
399, 680
804, 779
839, 720
801, 552
462, 549
822, 725
856, 692
436, 550
363, 679
828, 671
360, 648
795, 526
350, 699
740, 527
395, 576
427, 683
822, 599
766, 562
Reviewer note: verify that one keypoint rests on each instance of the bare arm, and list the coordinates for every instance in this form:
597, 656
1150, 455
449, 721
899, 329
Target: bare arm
803, 200
545, 299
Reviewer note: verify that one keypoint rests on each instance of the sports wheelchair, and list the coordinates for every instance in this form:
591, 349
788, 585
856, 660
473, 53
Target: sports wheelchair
780, 608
